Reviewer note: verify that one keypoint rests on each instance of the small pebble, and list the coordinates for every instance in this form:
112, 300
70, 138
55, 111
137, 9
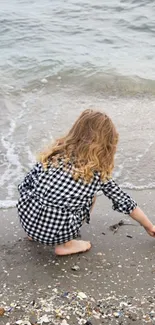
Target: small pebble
82, 295
129, 236
44, 319
117, 314
33, 319
64, 322
75, 268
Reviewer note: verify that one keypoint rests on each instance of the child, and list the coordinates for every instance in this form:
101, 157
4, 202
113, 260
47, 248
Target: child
57, 195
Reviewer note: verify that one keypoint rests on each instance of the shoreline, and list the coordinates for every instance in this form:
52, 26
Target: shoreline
118, 265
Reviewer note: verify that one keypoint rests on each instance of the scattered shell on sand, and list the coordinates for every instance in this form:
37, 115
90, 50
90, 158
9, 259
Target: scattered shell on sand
2, 311
60, 308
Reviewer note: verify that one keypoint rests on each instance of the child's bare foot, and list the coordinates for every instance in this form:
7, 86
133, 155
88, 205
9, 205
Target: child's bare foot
29, 238
73, 247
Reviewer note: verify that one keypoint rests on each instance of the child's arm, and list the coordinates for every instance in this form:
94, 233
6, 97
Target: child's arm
138, 215
122, 202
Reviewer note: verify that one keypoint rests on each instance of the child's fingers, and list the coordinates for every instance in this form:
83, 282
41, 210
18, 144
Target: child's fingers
151, 233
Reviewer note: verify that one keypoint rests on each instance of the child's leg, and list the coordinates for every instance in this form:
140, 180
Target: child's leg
73, 247
94, 200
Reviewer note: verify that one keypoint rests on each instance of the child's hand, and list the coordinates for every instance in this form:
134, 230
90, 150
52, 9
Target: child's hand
151, 231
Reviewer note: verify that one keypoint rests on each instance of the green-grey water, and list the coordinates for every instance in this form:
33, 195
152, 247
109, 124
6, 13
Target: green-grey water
59, 57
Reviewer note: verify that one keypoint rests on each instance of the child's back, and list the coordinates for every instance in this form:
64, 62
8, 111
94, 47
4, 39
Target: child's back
57, 195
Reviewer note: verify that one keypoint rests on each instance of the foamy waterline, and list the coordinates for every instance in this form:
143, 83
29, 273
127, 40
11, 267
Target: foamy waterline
7, 204
129, 186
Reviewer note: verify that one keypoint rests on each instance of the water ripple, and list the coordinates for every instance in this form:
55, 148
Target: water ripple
76, 35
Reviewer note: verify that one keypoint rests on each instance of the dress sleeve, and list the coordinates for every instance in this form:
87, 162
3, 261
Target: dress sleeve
122, 202
29, 179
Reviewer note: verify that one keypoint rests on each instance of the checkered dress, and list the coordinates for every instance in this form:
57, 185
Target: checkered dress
52, 205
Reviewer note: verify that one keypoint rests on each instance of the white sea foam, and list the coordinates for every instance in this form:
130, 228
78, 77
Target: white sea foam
130, 186
14, 168
6, 204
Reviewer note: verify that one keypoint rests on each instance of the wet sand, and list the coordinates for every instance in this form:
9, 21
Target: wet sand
119, 265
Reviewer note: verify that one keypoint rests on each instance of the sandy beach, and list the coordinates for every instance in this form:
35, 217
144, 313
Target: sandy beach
115, 280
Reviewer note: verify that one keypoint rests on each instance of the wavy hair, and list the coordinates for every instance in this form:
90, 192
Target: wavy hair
88, 147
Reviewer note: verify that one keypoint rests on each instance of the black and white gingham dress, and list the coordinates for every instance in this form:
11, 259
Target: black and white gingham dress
52, 205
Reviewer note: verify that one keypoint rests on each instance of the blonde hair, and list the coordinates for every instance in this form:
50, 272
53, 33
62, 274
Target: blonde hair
88, 147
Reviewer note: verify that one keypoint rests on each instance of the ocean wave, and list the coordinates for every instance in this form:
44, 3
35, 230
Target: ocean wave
88, 81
